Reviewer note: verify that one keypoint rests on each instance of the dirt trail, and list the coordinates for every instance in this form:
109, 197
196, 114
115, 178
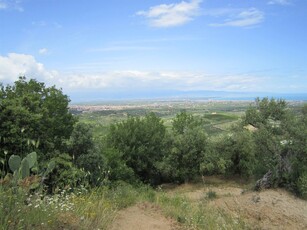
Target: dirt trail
143, 216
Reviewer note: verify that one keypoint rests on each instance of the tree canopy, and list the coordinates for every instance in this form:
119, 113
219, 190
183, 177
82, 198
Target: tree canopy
33, 116
140, 140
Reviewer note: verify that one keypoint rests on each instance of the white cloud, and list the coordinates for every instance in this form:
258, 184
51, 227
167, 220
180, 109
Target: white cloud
3, 5
43, 51
14, 65
279, 2
11, 4
141, 80
242, 18
43, 23
168, 15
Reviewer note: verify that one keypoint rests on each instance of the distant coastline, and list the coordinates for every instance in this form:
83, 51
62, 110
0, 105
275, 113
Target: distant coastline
120, 97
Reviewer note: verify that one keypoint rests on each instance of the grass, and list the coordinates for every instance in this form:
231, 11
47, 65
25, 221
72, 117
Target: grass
211, 195
220, 117
97, 208
21, 210
78, 209
196, 215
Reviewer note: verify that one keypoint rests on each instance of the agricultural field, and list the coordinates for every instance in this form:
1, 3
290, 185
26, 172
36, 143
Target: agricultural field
218, 116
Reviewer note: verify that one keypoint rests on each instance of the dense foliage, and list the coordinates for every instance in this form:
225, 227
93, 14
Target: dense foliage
270, 140
141, 142
54, 174
33, 117
187, 147
37, 118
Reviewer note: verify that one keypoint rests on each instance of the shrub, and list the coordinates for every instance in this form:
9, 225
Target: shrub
302, 185
211, 195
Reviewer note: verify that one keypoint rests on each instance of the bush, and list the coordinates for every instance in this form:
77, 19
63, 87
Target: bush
65, 174
116, 167
94, 166
141, 144
302, 185
211, 195
217, 159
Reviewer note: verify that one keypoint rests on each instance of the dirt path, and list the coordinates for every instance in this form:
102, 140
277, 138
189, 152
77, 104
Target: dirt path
143, 216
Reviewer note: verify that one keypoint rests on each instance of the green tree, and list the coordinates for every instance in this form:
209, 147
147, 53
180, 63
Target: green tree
296, 150
65, 173
86, 155
81, 140
242, 152
116, 166
30, 112
280, 143
141, 143
266, 112
186, 149
185, 121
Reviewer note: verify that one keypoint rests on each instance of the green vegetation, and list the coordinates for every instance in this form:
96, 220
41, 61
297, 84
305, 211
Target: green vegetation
142, 143
198, 215
106, 160
211, 195
33, 117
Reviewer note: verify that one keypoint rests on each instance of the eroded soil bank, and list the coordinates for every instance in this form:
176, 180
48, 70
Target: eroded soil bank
268, 209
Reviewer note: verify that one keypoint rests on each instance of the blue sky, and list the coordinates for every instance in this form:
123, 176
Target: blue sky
130, 46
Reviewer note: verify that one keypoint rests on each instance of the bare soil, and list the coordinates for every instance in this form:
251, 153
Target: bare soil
143, 216
268, 209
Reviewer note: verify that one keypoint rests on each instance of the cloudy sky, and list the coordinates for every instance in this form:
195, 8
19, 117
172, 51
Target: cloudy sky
130, 46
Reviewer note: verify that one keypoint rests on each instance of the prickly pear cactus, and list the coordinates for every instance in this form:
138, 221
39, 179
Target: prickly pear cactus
24, 168
32, 159
14, 162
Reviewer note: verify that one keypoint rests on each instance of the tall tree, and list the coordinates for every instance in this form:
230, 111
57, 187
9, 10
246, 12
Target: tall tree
188, 146
141, 142
33, 114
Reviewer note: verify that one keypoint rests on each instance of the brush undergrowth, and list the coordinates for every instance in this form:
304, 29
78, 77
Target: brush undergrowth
196, 215
67, 209
97, 208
